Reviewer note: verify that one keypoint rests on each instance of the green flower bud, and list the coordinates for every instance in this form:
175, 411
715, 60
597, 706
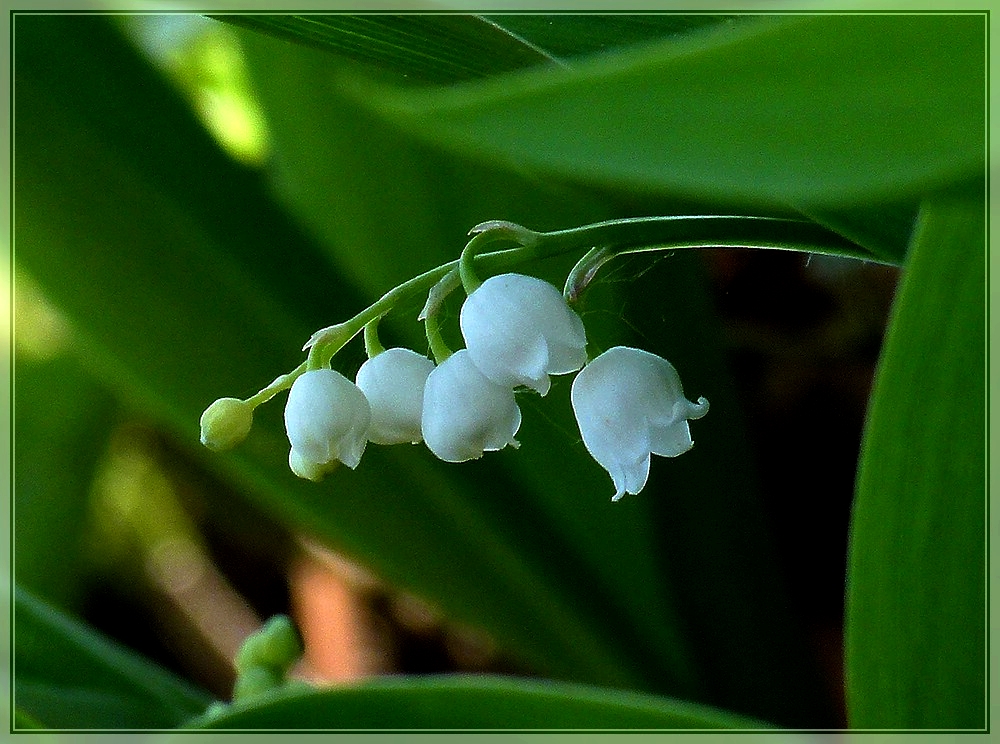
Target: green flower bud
254, 681
226, 423
276, 646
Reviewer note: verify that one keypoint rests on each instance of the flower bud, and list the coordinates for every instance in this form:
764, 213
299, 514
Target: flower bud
393, 382
326, 419
465, 413
519, 330
226, 423
276, 645
629, 405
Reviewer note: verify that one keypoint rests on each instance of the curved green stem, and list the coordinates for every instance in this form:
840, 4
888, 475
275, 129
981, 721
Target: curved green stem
280, 383
484, 234
437, 294
704, 231
604, 239
584, 270
638, 235
439, 349
470, 280
328, 341
373, 347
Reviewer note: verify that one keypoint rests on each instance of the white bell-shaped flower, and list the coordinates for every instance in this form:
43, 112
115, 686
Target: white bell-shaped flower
465, 413
629, 404
519, 330
393, 382
326, 419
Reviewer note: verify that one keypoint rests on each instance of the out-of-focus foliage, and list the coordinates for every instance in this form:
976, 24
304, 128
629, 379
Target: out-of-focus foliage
67, 676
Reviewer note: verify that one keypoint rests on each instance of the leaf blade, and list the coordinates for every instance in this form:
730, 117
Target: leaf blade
807, 110
482, 702
62, 419
56, 658
916, 571
137, 239
411, 48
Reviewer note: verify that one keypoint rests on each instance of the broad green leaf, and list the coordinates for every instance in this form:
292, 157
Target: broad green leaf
451, 48
386, 208
370, 193
62, 417
447, 49
455, 48
68, 676
916, 615
436, 48
804, 111
188, 284
127, 238
167, 258
568, 36
465, 702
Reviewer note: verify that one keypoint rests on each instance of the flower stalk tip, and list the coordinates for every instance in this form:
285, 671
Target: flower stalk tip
226, 423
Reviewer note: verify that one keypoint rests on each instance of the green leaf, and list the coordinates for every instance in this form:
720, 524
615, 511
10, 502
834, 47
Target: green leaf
62, 418
451, 48
802, 111
187, 283
916, 615
568, 36
464, 702
413, 48
386, 207
68, 676
125, 209
181, 296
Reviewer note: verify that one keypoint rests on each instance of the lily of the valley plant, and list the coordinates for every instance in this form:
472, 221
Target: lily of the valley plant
519, 331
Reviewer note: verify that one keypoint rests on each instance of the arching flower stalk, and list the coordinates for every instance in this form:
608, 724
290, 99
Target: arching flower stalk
519, 330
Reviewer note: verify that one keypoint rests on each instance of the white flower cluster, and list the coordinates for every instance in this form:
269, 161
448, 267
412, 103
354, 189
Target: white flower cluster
518, 331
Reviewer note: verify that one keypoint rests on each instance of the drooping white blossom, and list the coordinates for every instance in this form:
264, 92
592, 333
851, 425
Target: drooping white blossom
519, 330
326, 419
629, 404
393, 382
465, 413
